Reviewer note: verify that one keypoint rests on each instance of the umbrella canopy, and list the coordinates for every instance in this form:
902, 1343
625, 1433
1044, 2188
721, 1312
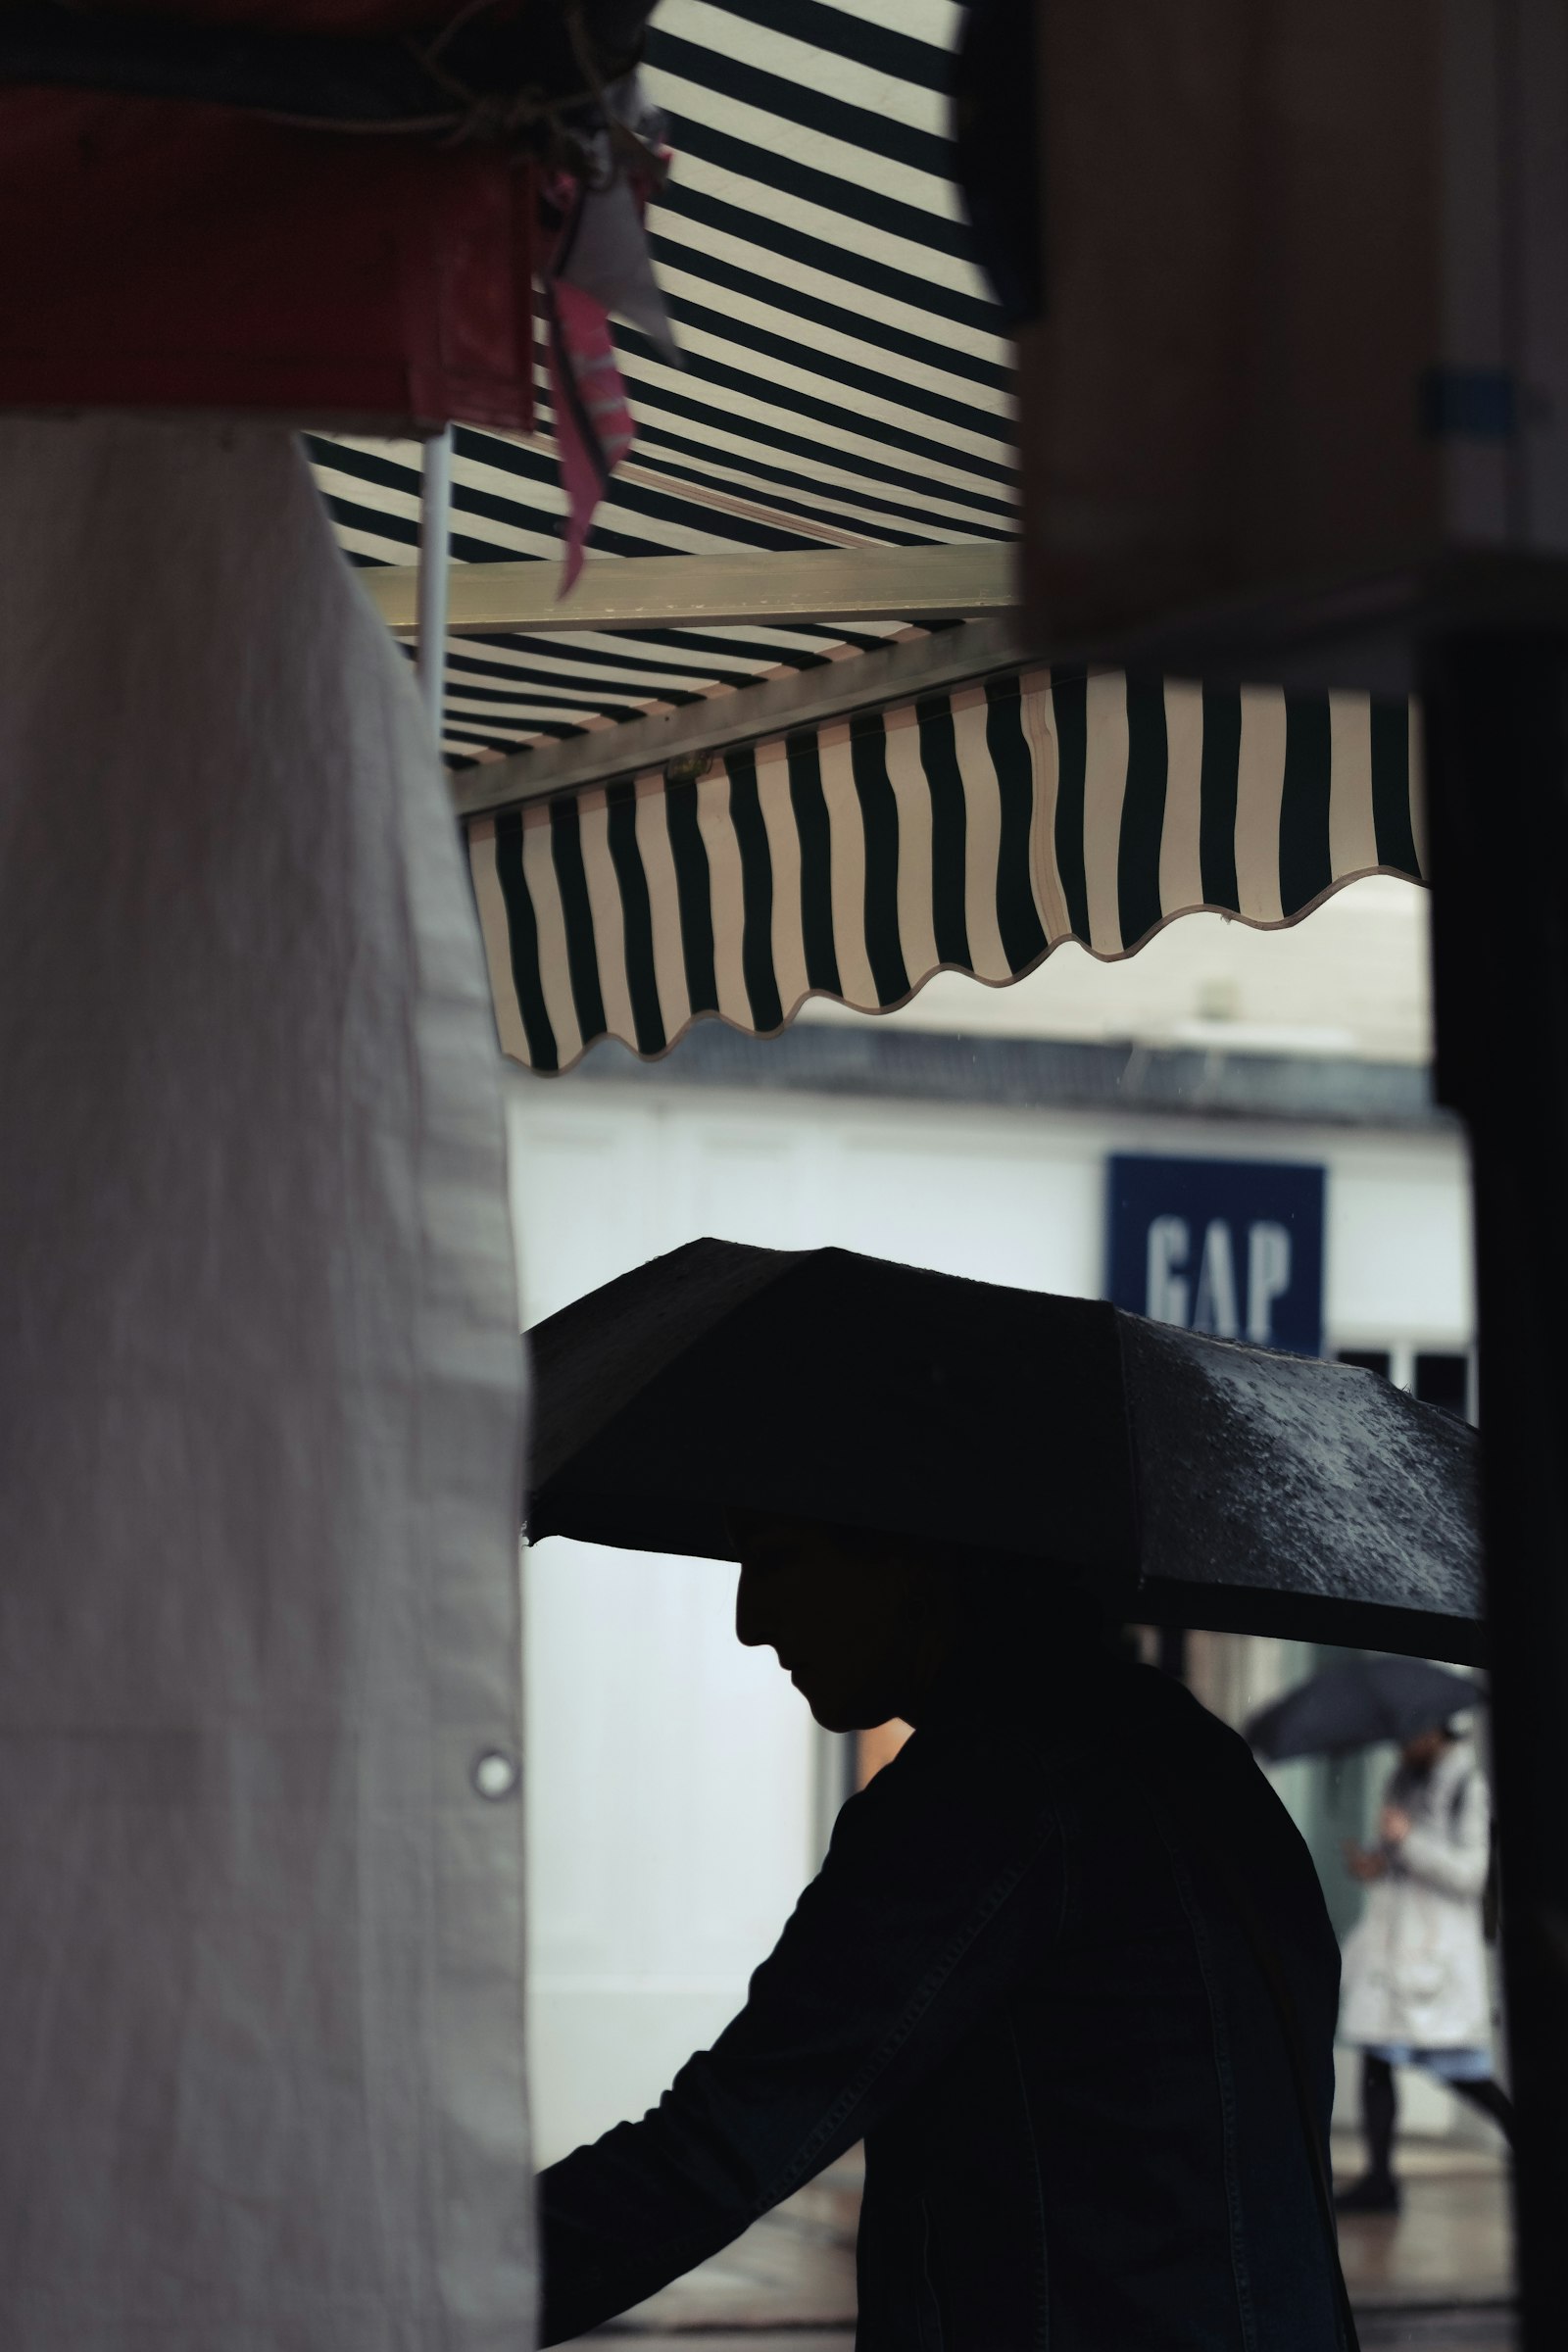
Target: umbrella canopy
1358, 1704
1194, 1481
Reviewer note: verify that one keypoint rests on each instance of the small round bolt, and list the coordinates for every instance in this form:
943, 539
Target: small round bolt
495, 1774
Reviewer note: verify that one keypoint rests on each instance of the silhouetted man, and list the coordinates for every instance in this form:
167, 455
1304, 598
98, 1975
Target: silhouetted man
1052, 1972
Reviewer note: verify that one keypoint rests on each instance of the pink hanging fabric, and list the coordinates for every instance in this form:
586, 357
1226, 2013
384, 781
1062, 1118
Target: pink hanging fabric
599, 263
594, 426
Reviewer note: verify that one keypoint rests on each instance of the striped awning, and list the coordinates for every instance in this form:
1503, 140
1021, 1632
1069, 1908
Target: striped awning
970, 832
846, 380
846, 383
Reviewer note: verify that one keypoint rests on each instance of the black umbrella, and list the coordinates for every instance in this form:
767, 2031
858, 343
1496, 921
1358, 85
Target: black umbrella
1202, 1482
1358, 1704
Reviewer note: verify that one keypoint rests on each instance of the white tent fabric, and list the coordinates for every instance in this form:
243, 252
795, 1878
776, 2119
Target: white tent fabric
262, 2075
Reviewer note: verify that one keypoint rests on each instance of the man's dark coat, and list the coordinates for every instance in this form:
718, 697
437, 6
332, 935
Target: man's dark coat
1022, 1978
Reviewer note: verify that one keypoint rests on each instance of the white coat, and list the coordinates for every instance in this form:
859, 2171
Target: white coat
1415, 1966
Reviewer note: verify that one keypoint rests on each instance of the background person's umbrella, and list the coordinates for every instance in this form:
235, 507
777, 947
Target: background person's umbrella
1205, 1483
1360, 1703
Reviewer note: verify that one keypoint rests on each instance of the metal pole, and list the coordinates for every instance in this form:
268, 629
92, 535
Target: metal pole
435, 534
1497, 718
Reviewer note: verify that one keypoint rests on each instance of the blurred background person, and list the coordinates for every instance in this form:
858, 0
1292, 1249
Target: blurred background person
1416, 1982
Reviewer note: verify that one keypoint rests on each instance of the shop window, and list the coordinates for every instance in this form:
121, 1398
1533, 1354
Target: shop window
1440, 1376
1443, 1379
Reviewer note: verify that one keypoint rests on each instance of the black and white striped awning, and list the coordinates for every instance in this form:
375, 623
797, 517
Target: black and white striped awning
972, 832
846, 383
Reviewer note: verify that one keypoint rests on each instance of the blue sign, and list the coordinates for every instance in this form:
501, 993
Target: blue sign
1233, 1247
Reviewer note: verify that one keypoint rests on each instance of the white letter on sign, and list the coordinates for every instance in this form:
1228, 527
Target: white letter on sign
1216, 1306
1268, 1277
1166, 1289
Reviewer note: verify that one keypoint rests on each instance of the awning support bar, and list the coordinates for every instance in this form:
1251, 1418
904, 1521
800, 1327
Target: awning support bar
767, 588
698, 731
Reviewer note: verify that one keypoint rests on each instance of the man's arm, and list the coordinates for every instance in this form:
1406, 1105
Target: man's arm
942, 1889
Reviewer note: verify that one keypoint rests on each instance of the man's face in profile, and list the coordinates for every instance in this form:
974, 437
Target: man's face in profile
859, 1627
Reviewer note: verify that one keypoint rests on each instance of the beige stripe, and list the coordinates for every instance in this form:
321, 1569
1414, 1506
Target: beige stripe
608, 915
1418, 786
1259, 792
1039, 716
497, 937
847, 856
664, 902
1181, 863
1352, 834
917, 936
784, 855
727, 895
1104, 791
982, 801
555, 980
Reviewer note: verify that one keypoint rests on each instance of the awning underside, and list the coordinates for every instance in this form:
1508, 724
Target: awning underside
970, 832
846, 380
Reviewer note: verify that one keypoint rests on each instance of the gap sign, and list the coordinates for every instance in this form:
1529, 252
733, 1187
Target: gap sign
1233, 1247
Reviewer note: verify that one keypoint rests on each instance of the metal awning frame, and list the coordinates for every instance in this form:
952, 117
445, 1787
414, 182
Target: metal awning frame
689, 739
932, 588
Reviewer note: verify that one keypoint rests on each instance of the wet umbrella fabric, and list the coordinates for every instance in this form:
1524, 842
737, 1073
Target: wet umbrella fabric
1199, 1483
1358, 1704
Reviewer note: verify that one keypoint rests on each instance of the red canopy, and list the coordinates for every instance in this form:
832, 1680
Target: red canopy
156, 253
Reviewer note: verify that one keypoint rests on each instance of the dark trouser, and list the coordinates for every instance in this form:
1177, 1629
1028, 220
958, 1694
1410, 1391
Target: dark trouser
1380, 2110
